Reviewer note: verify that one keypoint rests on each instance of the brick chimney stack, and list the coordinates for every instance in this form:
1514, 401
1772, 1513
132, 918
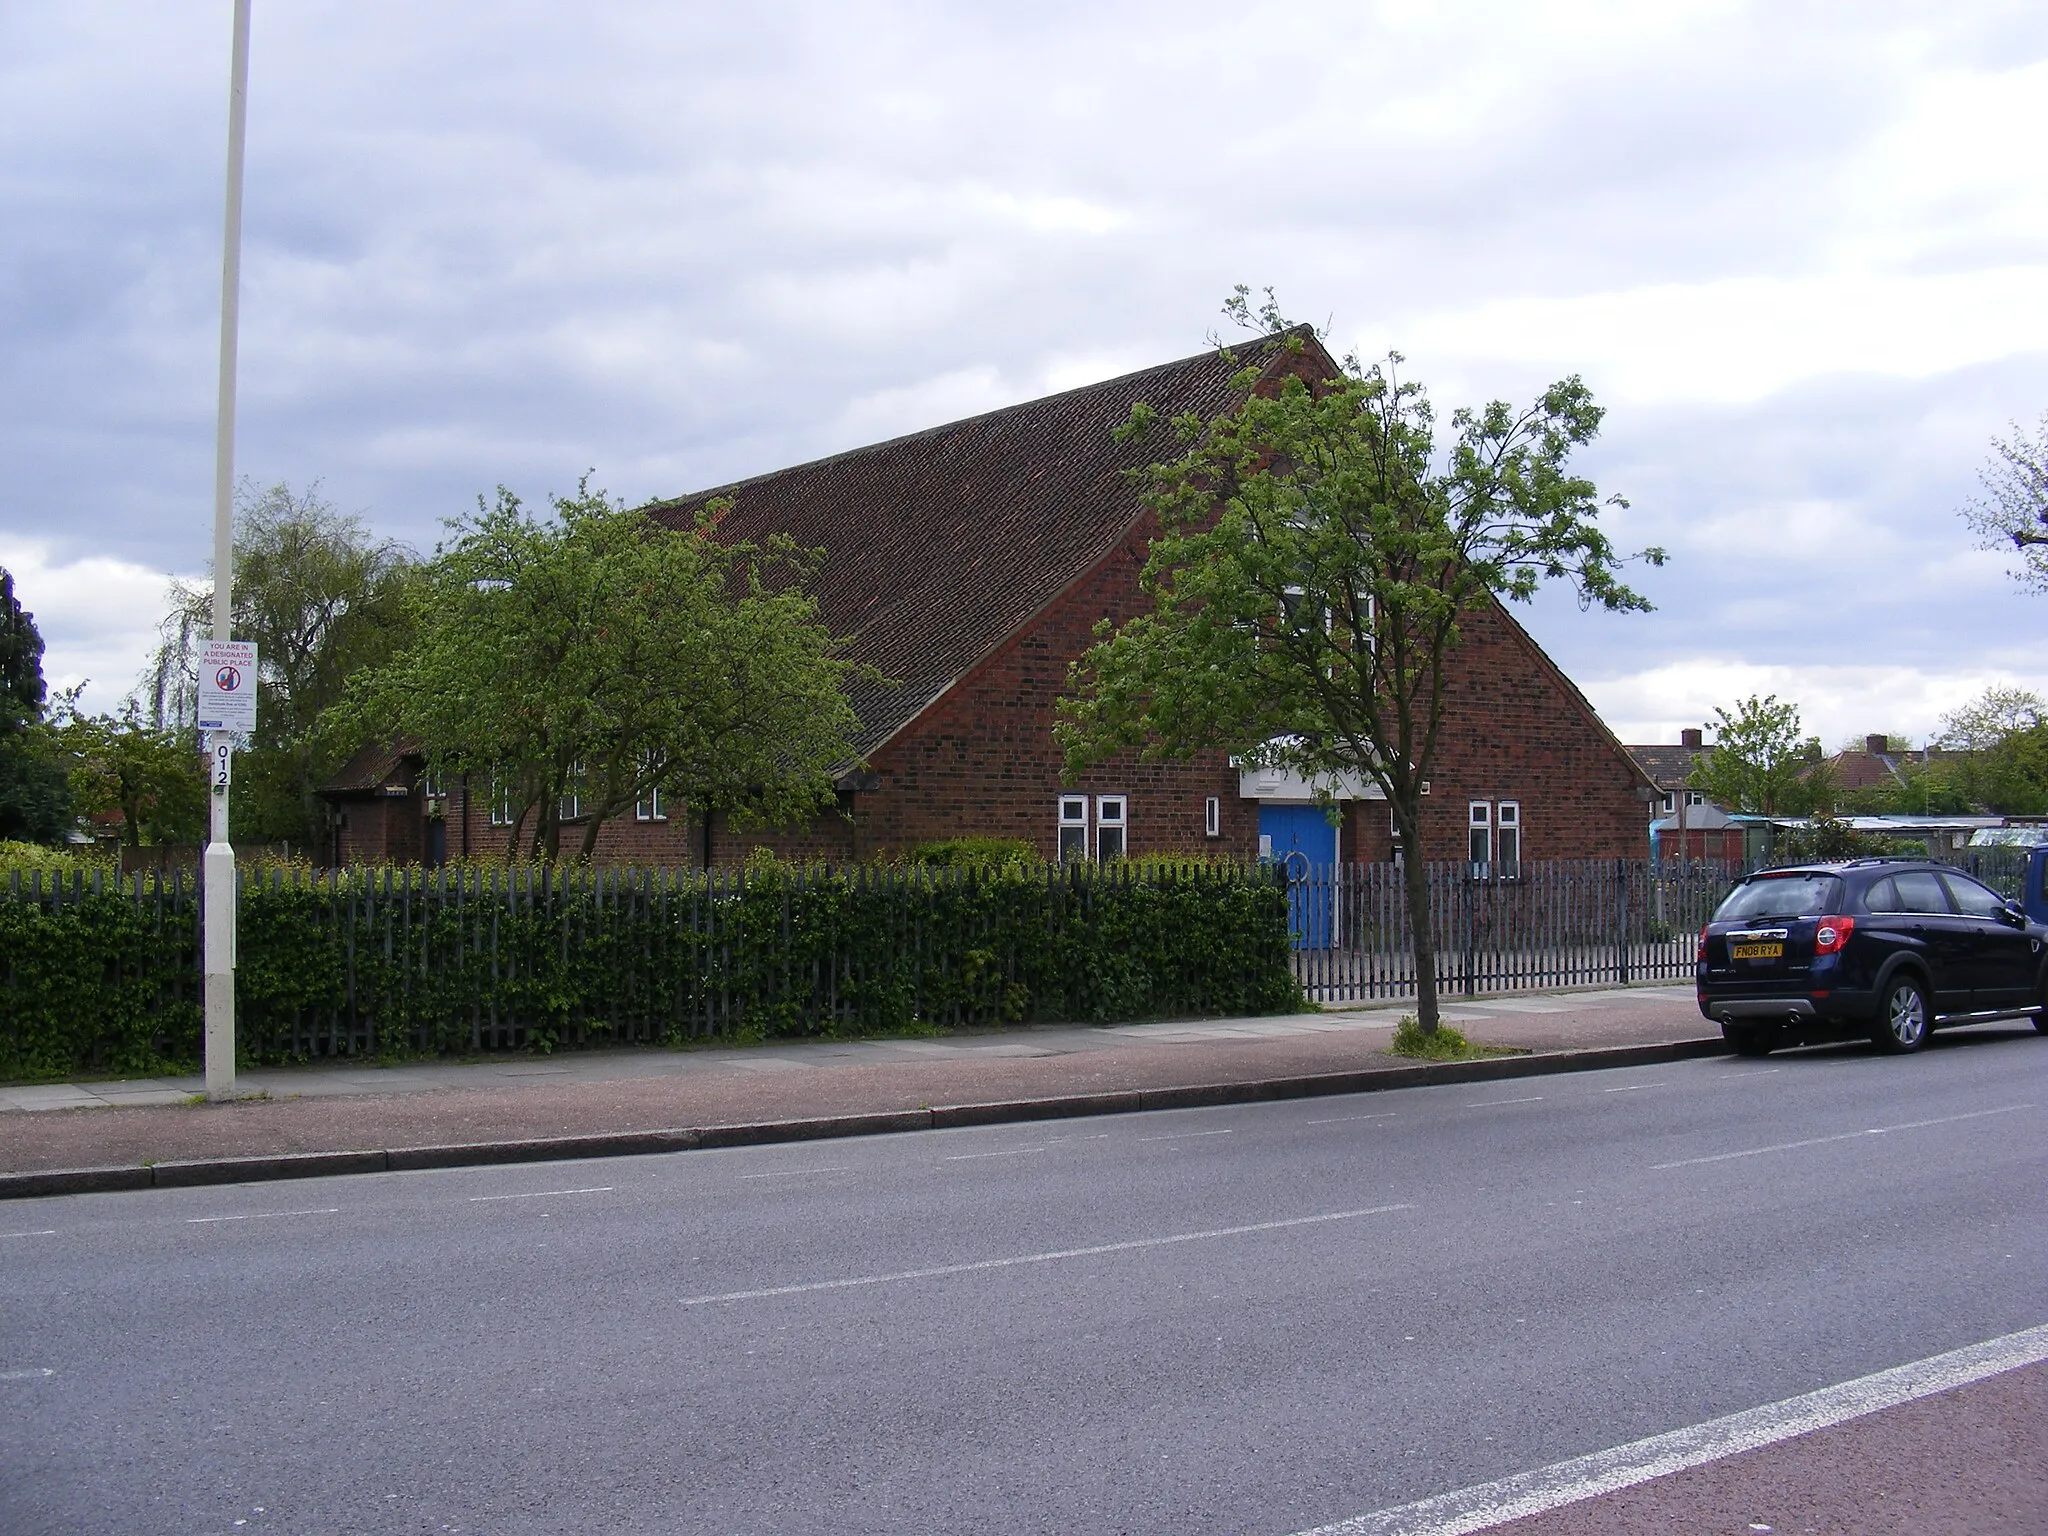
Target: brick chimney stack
1692, 737
1876, 745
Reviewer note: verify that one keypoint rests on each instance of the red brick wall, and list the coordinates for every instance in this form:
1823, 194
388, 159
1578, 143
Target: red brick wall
981, 762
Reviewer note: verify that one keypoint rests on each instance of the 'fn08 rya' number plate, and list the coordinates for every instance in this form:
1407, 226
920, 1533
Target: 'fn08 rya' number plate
1756, 951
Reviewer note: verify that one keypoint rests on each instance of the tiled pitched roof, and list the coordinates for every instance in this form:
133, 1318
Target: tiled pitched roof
370, 768
941, 545
1668, 766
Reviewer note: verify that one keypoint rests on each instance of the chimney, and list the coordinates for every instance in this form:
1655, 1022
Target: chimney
1691, 737
1876, 746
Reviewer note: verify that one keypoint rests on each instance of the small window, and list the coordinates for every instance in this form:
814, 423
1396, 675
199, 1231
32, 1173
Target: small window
1670, 802
1974, 900
1695, 797
570, 807
1920, 891
1212, 817
1110, 840
1481, 839
1073, 827
1508, 835
501, 803
430, 785
652, 806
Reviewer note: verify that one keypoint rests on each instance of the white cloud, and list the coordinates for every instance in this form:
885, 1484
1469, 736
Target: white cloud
97, 615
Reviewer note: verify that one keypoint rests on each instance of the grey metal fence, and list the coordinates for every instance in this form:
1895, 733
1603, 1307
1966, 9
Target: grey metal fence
1499, 928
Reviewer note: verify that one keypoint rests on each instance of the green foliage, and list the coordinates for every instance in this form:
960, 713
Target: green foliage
398, 962
1919, 790
93, 979
323, 599
2014, 508
1761, 765
150, 776
975, 853
1321, 546
35, 800
34, 858
1440, 1044
603, 653
1824, 839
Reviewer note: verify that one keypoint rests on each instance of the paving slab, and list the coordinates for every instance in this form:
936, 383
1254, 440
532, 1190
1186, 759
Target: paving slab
346, 1106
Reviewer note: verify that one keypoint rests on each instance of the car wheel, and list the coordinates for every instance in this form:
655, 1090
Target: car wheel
1746, 1042
1904, 1017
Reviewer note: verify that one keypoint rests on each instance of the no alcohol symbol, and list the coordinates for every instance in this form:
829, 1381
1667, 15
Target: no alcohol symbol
228, 679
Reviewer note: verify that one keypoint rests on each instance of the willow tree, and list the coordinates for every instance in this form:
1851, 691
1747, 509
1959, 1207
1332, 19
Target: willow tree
1320, 547
596, 656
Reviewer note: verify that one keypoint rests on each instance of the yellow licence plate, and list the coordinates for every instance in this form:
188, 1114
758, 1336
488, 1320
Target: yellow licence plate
1756, 951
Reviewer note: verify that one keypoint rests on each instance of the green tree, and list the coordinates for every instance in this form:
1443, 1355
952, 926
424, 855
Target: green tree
323, 598
35, 802
602, 654
149, 775
1761, 764
1319, 550
2002, 737
2014, 507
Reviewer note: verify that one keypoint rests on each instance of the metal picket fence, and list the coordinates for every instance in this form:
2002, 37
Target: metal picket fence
1500, 928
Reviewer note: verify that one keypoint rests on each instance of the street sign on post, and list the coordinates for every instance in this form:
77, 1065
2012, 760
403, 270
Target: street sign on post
227, 686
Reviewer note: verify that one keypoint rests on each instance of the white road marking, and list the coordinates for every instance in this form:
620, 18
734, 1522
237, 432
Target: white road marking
968, 1157
542, 1194
1821, 1141
1187, 1135
796, 1173
939, 1270
43, 1232
1489, 1103
1631, 1087
36, 1374
325, 1210
1339, 1119
1587, 1477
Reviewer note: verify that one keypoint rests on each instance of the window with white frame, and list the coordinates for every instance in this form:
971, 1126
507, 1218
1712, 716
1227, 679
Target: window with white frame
1480, 838
1670, 802
652, 806
1695, 797
570, 807
501, 803
1212, 817
1110, 841
1073, 827
1507, 837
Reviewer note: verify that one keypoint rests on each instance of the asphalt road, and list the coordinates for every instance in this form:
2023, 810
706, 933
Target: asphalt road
1251, 1319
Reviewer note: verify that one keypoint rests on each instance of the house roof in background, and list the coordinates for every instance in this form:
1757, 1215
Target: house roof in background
1668, 766
372, 767
941, 545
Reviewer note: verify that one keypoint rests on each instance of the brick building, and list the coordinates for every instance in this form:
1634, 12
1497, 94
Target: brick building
970, 563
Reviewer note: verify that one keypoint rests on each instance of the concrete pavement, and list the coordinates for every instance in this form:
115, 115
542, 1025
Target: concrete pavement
350, 1107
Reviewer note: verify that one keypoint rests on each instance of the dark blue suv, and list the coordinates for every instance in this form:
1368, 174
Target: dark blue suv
1885, 948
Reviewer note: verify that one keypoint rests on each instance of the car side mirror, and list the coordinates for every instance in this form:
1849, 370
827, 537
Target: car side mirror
2013, 914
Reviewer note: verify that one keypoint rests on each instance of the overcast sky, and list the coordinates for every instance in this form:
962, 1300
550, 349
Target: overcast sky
1800, 252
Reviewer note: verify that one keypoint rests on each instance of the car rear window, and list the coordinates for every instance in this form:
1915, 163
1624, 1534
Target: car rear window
1781, 896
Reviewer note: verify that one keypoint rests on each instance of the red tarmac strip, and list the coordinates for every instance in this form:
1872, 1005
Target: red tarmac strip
1972, 1461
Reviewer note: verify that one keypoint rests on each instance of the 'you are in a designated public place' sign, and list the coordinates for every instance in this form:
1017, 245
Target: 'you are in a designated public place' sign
227, 686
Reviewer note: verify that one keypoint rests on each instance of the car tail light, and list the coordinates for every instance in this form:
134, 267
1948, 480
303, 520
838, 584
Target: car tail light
1702, 952
1832, 936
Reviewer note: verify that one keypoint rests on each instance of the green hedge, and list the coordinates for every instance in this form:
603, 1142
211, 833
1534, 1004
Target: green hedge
103, 975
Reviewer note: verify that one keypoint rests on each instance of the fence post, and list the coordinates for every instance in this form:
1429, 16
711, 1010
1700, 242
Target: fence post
1621, 921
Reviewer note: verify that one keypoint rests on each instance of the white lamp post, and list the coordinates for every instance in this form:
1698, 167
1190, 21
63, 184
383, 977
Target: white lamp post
216, 669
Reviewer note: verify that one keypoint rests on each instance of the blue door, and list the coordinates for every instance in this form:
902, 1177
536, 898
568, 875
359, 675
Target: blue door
1301, 838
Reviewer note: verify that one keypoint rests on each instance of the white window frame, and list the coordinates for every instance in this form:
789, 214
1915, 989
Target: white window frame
1479, 835
1113, 815
651, 806
1695, 798
1507, 835
501, 802
1670, 801
1073, 827
1212, 817
570, 806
